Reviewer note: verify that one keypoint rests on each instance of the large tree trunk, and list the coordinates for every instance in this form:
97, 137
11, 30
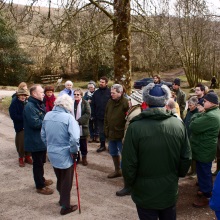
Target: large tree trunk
122, 43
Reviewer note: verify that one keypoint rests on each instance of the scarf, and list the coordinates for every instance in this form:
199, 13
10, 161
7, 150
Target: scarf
78, 113
49, 102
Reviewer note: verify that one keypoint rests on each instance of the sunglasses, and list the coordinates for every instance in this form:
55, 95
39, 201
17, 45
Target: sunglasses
77, 94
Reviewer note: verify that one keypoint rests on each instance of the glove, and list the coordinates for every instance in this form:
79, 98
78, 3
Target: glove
75, 156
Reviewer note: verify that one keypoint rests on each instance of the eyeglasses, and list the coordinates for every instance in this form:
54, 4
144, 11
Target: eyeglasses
77, 94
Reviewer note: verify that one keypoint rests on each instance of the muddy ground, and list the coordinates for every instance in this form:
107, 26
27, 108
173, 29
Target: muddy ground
19, 200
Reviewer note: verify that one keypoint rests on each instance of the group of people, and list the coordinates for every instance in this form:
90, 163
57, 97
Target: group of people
155, 130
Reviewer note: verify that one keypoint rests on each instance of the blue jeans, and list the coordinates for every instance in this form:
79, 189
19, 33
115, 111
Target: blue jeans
204, 175
154, 214
115, 148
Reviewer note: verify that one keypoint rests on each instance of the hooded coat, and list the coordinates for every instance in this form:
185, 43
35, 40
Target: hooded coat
155, 135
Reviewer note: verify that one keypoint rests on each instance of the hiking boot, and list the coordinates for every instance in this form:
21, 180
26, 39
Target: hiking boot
101, 148
48, 182
84, 161
28, 160
201, 202
65, 211
45, 191
21, 162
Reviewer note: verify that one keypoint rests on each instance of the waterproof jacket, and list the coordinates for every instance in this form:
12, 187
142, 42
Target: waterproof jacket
187, 119
34, 112
114, 122
99, 102
85, 116
181, 100
16, 113
156, 152
60, 133
204, 135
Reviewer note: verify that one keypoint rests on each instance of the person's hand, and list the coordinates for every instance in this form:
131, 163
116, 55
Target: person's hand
75, 156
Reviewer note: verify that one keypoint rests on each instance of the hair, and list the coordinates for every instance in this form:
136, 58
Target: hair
22, 85
104, 78
171, 103
118, 88
202, 87
64, 101
193, 100
91, 84
68, 82
80, 91
158, 76
48, 88
33, 88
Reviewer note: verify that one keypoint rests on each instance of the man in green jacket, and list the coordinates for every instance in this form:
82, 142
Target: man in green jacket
180, 96
204, 135
155, 135
114, 125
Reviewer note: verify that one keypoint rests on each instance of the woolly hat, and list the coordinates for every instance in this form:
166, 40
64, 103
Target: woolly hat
92, 82
22, 92
48, 88
211, 97
156, 95
176, 81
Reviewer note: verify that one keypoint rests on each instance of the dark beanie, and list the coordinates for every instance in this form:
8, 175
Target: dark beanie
211, 97
177, 81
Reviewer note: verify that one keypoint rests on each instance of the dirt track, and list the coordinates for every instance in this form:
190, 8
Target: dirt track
98, 201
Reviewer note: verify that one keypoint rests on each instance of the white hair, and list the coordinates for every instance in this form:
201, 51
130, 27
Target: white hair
118, 88
64, 101
68, 82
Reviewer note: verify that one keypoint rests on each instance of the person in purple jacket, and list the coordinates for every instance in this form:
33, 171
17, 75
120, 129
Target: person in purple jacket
214, 202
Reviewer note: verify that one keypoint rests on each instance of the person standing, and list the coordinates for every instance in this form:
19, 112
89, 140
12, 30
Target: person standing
98, 104
82, 113
60, 132
180, 96
16, 113
213, 83
155, 135
49, 98
114, 125
68, 89
204, 134
93, 129
34, 113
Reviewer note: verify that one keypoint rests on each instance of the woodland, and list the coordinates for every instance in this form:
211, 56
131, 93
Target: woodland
84, 40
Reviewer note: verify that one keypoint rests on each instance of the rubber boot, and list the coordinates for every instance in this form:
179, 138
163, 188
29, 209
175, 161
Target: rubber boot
117, 172
125, 191
21, 162
84, 161
217, 168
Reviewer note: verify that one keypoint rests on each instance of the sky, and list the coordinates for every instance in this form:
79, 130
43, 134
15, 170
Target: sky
214, 5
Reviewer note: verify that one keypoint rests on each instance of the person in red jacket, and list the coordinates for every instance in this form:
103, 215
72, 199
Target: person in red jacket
49, 98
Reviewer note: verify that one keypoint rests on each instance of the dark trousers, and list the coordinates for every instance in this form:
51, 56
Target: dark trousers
64, 184
100, 124
39, 158
154, 214
204, 175
83, 146
93, 128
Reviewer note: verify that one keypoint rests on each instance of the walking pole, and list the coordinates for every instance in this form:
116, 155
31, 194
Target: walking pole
77, 186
